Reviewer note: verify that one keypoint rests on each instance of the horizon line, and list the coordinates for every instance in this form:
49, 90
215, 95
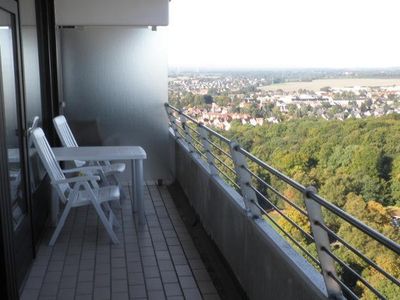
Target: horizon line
193, 68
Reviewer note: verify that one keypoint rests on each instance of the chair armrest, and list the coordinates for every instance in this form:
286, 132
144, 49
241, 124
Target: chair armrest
83, 169
76, 179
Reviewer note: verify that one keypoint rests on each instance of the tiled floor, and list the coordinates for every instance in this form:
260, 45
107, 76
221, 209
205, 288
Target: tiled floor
154, 261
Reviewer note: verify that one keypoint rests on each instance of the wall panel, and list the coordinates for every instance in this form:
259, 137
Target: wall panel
115, 12
115, 82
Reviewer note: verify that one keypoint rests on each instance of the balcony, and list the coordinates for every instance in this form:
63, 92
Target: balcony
107, 72
156, 261
160, 260
271, 253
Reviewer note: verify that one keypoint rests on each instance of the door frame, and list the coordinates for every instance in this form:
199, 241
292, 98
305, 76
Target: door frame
8, 275
48, 65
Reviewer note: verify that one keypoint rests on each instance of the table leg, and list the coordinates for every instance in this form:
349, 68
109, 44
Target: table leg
139, 183
133, 187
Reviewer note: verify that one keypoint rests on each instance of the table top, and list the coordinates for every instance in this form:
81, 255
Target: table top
99, 153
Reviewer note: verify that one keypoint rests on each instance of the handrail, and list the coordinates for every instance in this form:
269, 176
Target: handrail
213, 132
308, 193
273, 171
358, 224
331, 207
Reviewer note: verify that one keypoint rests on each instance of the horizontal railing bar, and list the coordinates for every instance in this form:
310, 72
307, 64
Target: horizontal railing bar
218, 148
287, 234
343, 264
222, 162
226, 176
179, 126
358, 224
374, 234
194, 139
343, 286
307, 235
273, 171
192, 129
298, 208
181, 113
358, 253
197, 150
342, 214
220, 136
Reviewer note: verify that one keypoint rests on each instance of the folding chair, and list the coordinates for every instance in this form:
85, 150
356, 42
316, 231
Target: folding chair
68, 140
76, 191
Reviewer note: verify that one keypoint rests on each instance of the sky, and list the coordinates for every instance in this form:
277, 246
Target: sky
284, 33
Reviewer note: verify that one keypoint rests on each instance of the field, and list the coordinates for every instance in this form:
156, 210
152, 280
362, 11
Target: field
316, 85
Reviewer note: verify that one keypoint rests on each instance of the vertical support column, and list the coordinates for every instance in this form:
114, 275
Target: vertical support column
244, 181
188, 137
322, 242
207, 147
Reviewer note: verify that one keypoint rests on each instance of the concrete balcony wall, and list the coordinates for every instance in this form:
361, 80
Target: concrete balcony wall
264, 263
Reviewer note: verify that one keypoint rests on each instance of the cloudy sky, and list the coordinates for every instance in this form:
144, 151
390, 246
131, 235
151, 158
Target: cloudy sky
284, 33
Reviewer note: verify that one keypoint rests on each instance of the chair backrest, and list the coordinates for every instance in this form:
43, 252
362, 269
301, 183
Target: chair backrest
66, 136
50, 162
35, 124
64, 132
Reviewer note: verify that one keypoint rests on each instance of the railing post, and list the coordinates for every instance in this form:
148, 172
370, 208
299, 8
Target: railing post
244, 180
322, 242
207, 147
188, 137
172, 121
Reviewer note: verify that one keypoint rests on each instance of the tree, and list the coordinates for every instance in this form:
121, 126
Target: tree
222, 100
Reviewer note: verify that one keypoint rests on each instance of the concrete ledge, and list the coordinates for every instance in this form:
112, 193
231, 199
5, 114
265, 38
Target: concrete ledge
266, 266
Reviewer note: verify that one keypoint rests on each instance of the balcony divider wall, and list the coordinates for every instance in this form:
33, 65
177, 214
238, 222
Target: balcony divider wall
114, 83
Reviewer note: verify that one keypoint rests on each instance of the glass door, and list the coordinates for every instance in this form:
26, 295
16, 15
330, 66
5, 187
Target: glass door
12, 111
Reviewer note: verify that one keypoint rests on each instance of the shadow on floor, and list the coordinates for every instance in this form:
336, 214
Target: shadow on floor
221, 274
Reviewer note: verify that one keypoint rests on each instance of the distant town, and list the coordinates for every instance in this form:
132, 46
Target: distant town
218, 99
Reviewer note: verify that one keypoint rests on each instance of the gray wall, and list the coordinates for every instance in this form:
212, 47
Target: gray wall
264, 263
116, 79
111, 12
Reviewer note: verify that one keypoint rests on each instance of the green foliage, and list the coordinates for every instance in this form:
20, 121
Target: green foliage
222, 100
360, 156
355, 164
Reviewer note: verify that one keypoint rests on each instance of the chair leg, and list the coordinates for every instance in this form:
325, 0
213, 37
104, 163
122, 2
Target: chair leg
60, 224
123, 194
114, 181
112, 217
105, 222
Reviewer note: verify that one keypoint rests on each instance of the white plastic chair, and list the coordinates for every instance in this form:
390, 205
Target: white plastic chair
35, 124
68, 140
76, 191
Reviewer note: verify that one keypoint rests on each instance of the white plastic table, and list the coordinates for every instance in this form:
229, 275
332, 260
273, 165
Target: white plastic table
135, 154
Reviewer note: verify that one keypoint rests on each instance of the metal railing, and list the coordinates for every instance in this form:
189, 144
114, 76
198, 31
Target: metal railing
313, 238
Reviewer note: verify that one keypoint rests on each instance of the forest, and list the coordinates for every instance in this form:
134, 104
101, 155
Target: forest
354, 164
